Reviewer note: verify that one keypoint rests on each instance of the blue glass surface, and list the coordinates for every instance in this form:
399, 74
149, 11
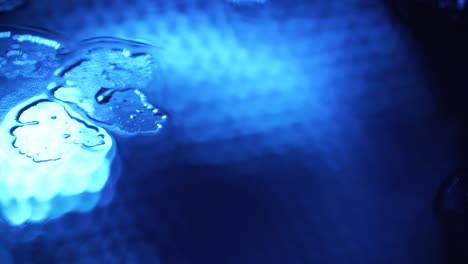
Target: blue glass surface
298, 132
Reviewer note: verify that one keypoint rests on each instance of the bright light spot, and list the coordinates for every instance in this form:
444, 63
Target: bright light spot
51, 162
5, 34
461, 3
51, 85
38, 40
126, 53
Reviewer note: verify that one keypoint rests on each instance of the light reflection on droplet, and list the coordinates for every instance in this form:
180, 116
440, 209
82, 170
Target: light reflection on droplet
47, 161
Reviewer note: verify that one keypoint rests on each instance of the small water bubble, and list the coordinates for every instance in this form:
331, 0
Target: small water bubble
155, 111
103, 95
138, 111
126, 53
132, 116
94, 141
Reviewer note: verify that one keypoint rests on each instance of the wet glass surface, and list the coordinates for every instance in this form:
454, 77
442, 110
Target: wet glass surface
296, 132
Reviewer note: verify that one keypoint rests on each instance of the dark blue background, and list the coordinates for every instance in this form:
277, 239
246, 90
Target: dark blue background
300, 132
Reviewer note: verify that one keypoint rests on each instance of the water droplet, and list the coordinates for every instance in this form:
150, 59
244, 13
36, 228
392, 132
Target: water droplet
126, 53
51, 86
47, 139
94, 141
50, 163
103, 95
116, 73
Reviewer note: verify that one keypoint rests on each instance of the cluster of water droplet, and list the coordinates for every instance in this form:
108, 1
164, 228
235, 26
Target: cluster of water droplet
52, 146
26, 55
28, 58
111, 85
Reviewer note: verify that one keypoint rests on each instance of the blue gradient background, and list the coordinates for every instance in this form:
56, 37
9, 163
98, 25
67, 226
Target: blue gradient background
300, 132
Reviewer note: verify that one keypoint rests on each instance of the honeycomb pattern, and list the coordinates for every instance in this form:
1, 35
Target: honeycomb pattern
302, 132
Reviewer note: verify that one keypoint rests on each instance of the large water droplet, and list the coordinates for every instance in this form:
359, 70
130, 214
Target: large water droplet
51, 161
43, 126
114, 82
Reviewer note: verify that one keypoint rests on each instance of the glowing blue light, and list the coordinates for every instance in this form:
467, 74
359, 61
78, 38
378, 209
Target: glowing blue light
461, 4
38, 40
5, 34
51, 162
